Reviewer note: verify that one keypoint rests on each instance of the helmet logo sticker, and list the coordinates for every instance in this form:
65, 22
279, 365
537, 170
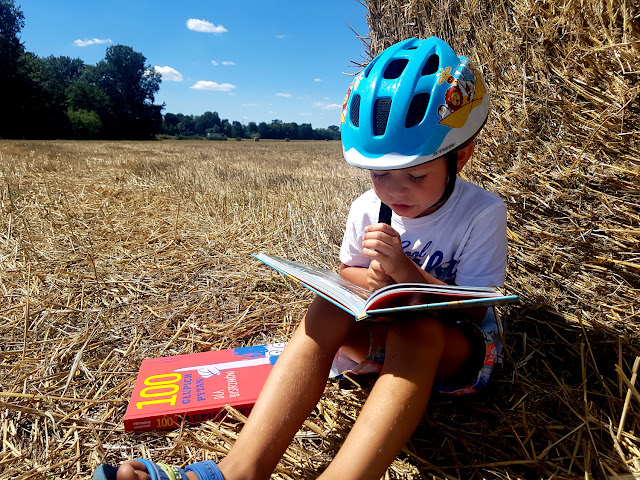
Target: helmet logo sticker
443, 75
464, 94
345, 103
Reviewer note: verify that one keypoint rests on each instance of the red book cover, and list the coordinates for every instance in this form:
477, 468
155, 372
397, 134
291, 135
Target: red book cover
195, 387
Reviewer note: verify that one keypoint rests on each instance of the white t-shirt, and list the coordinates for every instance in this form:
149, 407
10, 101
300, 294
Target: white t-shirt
463, 242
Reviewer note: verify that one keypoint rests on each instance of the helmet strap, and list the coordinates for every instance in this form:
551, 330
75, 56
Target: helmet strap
452, 167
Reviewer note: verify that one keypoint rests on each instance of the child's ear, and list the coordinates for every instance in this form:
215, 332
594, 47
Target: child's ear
464, 155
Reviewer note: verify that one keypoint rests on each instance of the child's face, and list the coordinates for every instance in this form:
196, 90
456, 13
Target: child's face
411, 192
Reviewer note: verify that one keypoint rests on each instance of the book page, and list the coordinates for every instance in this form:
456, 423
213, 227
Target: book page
322, 281
412, 294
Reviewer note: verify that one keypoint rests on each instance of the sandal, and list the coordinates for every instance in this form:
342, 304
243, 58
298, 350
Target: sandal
205, 470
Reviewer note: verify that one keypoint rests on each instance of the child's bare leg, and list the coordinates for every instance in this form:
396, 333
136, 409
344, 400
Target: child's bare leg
292, 390
398, 400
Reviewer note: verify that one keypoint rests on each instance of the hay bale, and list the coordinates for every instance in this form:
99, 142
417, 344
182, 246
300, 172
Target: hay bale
562, 148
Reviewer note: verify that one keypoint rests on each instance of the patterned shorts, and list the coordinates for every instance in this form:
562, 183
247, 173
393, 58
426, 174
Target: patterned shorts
486, 350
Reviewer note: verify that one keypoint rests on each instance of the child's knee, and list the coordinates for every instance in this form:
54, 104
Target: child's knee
326, 321
424, 333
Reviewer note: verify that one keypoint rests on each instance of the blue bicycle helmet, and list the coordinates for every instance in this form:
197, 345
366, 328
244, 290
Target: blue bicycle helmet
413, 103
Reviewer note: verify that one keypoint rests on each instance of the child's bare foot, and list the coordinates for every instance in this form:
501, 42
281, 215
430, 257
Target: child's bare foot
133, 470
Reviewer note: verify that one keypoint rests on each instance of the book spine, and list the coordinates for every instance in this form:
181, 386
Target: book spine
173, 420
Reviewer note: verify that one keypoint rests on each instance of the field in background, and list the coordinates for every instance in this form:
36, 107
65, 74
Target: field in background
114, 252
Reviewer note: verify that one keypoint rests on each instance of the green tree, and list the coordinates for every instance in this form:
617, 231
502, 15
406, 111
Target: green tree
205, 122
48, 83
264, 131
237, 130
131, 87
225, 128
85, 124
252, 129
330, 133
170, 124
85, 94
12, 91
290, 130
187, 125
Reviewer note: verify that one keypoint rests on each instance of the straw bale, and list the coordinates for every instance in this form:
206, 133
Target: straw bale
561, 147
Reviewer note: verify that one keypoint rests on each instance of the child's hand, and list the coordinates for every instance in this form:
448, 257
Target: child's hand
383, 245
376, 276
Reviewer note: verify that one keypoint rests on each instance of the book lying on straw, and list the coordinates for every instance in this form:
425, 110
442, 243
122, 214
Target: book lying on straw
388, 301
195, 387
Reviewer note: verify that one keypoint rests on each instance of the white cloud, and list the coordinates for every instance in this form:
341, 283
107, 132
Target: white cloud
91, 41
228, 62
214, 63
285, 95
207, 85
281, 36
198, 25
327, 106
169, 74
317, 80
249, 105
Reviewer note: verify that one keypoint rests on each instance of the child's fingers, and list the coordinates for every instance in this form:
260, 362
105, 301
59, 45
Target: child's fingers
376, 267
376, 276
381, 227
377, 249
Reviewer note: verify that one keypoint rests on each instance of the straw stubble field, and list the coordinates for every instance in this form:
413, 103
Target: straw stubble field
114, 252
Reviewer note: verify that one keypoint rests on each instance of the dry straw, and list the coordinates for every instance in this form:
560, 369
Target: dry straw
562, 149
114, 252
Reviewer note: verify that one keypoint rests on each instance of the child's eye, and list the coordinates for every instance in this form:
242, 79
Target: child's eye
417, 179
378, 176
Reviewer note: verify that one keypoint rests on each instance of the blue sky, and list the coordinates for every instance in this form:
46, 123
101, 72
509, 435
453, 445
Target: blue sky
248, 60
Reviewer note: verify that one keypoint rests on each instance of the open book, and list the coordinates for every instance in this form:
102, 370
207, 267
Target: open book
387, 301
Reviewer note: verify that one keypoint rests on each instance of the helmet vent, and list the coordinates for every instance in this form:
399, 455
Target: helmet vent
431, 66
368, 68
395, 68
417, 109
355, 111
381, 110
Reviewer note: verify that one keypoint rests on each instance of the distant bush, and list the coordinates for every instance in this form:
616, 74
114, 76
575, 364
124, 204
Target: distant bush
216, 136
85, 124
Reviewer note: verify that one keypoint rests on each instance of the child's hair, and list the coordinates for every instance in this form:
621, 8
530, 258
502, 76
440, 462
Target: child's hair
415, 102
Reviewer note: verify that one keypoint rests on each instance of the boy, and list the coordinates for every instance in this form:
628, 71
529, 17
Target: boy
410, 118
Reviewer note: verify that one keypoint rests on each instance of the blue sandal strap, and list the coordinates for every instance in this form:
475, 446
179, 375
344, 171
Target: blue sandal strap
161, 471
206, 470
104, 471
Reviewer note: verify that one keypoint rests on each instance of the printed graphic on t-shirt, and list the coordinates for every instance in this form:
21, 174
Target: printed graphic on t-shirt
432, 262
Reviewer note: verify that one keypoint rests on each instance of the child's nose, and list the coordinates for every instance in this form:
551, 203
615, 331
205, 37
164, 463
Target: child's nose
397, 189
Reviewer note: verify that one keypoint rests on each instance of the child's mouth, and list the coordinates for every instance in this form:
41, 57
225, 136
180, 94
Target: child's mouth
401, 207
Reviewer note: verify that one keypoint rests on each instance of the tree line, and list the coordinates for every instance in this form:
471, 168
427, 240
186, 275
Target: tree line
209, 125
61, 97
